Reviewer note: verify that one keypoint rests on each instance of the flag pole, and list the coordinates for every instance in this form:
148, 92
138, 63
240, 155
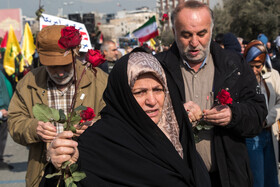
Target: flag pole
39, 19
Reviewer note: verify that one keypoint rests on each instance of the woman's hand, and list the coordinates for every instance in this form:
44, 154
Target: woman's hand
63, 149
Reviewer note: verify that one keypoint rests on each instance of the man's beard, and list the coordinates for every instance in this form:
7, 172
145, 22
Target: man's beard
62, 80
194, 59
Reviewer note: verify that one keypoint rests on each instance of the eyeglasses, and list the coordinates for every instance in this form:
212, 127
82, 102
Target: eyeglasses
258, 67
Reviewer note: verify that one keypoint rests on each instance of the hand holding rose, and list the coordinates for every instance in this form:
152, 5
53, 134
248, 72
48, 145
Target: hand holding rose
219, 115
63, 149
46, 131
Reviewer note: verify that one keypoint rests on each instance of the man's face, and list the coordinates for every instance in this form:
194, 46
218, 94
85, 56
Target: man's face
192, 30
112, 53
268, 45
61, 75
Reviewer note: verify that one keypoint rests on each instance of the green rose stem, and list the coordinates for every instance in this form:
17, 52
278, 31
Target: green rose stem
75, 92
68, 125
76, 87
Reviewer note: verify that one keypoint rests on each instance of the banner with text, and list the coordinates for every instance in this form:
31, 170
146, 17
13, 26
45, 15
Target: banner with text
47, 20
11, 17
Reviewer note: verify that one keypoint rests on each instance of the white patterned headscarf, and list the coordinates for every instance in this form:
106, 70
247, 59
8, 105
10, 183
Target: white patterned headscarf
141, 63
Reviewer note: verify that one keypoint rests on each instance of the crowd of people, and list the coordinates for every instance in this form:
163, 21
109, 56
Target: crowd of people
204, 112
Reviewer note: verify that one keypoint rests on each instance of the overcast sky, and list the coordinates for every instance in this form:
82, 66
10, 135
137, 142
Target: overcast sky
73, 6
51, 7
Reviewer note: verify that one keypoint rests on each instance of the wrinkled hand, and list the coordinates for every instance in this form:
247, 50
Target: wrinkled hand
80, 129
4, 112
219, 115
63, 149
46, 131
193, 110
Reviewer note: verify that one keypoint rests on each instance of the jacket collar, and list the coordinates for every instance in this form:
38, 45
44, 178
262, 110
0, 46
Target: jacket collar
41, 78
266, 72
220, 73
171, 62
39, 82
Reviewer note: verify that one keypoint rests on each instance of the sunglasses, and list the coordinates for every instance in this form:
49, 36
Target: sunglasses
258, 67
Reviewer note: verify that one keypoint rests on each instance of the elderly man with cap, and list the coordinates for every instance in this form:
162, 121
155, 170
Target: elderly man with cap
52, 85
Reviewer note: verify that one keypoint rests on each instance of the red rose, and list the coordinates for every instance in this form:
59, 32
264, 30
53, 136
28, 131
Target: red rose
165, 17
94, 57
70, 38
224, 97
87, 115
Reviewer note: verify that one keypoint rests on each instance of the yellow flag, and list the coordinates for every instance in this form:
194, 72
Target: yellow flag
28, 48
152, 43
12, 50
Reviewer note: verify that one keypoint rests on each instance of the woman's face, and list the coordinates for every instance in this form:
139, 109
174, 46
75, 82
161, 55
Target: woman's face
149, 93
256, 67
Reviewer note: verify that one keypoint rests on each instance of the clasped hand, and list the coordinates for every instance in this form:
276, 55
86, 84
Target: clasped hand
63, 149
47, 131
220, 115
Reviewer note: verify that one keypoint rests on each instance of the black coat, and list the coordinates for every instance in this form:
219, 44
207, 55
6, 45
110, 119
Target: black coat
126, 148
248, 110
276, 61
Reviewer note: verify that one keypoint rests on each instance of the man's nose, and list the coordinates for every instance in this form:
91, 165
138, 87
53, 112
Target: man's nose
60, 72
194, 41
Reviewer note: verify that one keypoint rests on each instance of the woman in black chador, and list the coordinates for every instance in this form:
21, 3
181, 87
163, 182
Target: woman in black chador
144, 137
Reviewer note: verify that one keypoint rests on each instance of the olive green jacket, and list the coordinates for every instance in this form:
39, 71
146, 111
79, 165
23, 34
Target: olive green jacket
32, 89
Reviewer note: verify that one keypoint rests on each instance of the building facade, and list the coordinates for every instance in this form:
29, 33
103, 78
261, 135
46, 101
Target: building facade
125, 22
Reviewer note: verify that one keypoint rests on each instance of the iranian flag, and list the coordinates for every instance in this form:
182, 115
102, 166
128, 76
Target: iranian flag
147, 31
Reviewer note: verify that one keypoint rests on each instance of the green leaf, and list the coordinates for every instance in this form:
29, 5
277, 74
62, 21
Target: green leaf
44, 113
68, 181
72, 128
76, 119
55, 114
65, 164
72, 185
62, 116
196, 138
53, 175
78, 175
198, 127
81, 107
73, 167
207, 127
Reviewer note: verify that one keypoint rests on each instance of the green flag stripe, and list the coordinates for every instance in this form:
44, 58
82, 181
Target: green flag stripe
150, 21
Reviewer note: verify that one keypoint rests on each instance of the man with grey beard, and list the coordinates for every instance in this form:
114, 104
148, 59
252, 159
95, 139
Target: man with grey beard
51, 84
199, 69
